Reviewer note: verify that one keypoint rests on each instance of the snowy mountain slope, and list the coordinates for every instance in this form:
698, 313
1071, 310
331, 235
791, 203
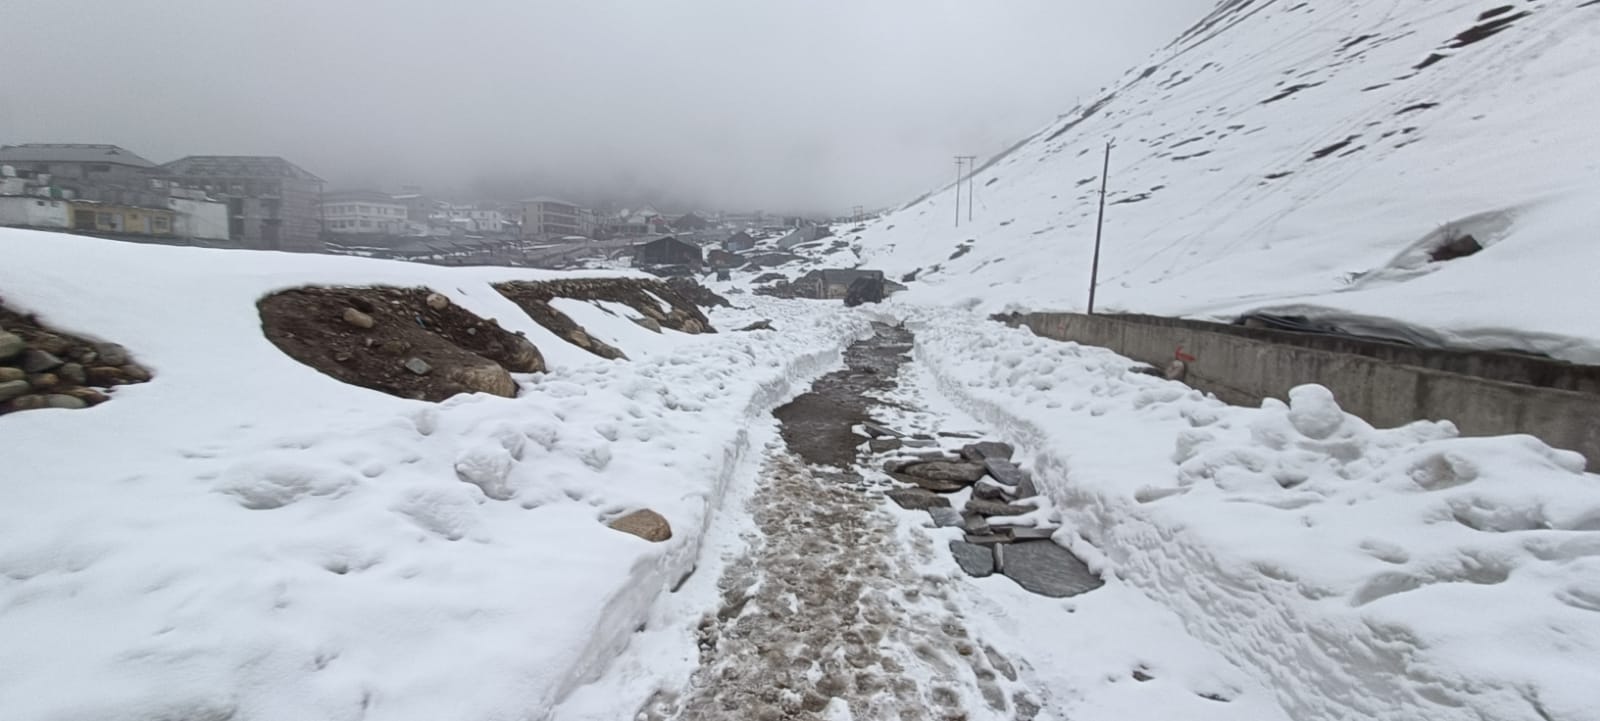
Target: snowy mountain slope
1303, 156
243, 537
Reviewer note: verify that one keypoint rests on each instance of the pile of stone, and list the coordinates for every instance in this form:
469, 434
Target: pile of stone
1002, 532
40, 368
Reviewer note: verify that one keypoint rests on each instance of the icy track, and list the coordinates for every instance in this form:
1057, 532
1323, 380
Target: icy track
244, 538
1360, 573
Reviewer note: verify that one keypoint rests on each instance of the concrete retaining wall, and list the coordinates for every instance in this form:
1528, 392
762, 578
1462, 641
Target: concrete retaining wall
1244, 368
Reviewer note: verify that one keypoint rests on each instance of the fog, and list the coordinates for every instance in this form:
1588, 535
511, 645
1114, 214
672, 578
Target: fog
794, 105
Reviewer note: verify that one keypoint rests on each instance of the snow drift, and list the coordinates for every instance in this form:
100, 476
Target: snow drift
1304, 157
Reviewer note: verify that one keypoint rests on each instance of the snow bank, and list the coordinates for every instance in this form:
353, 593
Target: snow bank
1284, 153
244, 537
1362, 573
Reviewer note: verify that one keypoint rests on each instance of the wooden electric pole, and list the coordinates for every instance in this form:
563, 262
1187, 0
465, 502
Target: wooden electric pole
958, 189
971, 170
1099, 228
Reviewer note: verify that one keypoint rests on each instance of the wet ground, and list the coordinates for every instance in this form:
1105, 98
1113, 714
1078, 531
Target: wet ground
830, 615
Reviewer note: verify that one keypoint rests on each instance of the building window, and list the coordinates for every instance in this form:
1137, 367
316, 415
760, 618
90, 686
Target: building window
162, 224
103, 218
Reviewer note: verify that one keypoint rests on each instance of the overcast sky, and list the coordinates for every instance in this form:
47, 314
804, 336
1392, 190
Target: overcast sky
772, 104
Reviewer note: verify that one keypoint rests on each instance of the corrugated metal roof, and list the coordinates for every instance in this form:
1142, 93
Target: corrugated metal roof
71, 153
238, 166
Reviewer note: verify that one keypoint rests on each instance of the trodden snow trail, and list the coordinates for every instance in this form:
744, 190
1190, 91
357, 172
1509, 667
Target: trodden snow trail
831, 614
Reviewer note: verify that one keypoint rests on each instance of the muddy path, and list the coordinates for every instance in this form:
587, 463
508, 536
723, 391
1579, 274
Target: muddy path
830, 615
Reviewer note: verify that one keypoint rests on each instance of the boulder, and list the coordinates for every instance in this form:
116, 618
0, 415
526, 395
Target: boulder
649, 324
487, 378
1004, 472
106, 376
758, 325
980, 452
884, 445
11, 346
523, 356
111, 354
418, 366
1046, 569
976, 560
12, 389
38, 361
73, 373
917, 499
358, 319
644, 523
945, 517
41, 381
877, 431
59, 400
8, 374
437, 301
965, 473
995, 508
87, 395
988, 490
135, 373
921, 443
929, 484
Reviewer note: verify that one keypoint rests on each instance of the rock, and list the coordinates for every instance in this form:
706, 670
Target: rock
945, 517
975, 524
27, 403
981, 452
523, 356
8, 374
966, 473
51, 343
418, 366
995, 508
358, 319
921, 443
1028, 533
976, 560
877, 431
14, 388
87, 395
884, 445
106, 376
11, 345
393, 347
959, 434
62, 400
650, 324
38, 361
438, 302
988, 490
929, 484
987, 539
488, 378
111, 354
135, 373
1047, 569
41, 381
1004, 472
917, 499
1147, 370
644, 523
758, 325
73, 373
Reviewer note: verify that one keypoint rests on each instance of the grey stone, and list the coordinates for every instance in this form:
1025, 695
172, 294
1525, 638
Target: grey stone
59, 400
987, 539
976, 560
12, 389
1028, 533
975, 524
921, 443
1047, 569
967, 473
917, 499
1003, 471
11, 345
437, 302
995, 508
877, 431
111, 354
988, 490
986, 450
358, 319
649, 324
758, 325
8, 374
418, 366
884, 445
929, 483
38, 361
946, 517
959, 434
73, 373
135, 372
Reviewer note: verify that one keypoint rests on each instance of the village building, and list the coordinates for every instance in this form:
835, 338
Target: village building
668, 252
834, 283
739, 242
366, 212
103, 173
545, 217
272, 203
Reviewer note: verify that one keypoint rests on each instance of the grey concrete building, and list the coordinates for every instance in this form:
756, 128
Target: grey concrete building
273, 204
101, 173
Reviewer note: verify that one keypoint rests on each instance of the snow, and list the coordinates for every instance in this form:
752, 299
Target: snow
1360, 573
1218, 206
244, 537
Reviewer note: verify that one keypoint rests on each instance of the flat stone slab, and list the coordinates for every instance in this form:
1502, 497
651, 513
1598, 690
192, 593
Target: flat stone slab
946, 517
975, 524
921, 443
986, 450
959, 434
1046, 569
1027, 533
988, 490
877, 431
995, 508
1004, 471
977, 561
884, 445
987, 539
917, 499
967, 473
928, 483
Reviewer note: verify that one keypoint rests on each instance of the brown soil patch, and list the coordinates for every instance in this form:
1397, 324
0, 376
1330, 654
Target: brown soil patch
463, 353
50, 368
680, 296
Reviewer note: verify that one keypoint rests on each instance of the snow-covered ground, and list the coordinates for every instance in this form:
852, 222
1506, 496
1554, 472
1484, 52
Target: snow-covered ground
1302, 157
1359, 573
244, 537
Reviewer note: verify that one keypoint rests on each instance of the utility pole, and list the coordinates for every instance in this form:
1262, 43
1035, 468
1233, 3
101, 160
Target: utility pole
971, 170
1099, 228
958, 189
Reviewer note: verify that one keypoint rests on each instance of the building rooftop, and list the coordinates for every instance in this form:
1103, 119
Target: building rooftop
71, 153
238, 166
370, 196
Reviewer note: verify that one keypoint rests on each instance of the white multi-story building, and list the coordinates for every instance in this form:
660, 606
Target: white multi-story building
363, 211
546, 217
474, 219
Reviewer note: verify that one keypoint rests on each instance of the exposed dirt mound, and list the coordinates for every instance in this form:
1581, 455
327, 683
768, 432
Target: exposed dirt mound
645, 296
41, 367
407, 342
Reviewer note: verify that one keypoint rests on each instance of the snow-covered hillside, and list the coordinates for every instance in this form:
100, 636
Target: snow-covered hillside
1303, 157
